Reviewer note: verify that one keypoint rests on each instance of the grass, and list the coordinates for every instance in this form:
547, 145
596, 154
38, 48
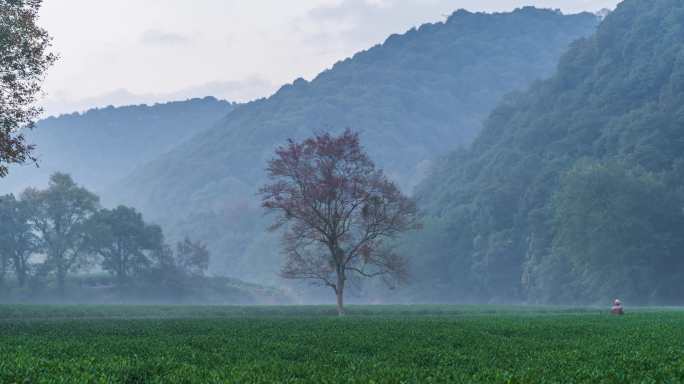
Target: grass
393, 344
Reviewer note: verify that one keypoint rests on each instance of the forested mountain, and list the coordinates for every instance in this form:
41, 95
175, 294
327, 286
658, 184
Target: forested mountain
100, 146
573, 192
417, 95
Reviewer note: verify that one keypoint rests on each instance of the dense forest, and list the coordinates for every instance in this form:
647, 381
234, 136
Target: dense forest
573, 192
100, 146
417, 95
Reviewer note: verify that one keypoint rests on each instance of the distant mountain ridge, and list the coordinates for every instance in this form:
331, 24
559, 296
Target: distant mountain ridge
102, 145
413, 97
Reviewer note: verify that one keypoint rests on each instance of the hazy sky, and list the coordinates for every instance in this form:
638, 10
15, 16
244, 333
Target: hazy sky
132, 51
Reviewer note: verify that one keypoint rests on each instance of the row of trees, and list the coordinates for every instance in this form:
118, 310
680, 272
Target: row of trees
61, 230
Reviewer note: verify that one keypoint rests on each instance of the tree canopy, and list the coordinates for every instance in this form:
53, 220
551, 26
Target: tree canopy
124, 241
24, 58
18, 242
59, 215
339, 212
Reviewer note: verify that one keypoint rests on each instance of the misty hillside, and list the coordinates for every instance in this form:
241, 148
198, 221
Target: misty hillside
574, 190
100, 146
415, 96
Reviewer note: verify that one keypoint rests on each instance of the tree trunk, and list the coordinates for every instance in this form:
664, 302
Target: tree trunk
339, 292
121, 272
20, 270
3, 271
340, 301
21, 277
121, 284
61, 281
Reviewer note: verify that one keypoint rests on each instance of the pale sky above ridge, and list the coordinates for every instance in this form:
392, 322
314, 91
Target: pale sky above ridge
142, 51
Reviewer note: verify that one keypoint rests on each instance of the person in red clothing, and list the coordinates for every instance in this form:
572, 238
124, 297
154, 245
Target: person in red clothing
617, 308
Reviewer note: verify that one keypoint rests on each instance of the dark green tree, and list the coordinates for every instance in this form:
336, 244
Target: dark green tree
166, 271
24, 58
17, 239
192, 257
123, 240
59, 215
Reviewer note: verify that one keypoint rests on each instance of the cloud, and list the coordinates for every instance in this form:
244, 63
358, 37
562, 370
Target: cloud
346, 9
157, 37
251, 88
351, 25
362, 23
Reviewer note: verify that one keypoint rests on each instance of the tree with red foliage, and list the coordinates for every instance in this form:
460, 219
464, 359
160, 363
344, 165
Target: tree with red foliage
338, 211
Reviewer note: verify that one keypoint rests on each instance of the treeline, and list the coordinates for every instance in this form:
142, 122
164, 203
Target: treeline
50, 238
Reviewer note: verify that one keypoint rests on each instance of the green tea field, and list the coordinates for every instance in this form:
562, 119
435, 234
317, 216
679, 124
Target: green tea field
393, 344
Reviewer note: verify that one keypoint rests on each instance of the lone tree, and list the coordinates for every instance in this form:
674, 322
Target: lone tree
24, 58
338, 212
